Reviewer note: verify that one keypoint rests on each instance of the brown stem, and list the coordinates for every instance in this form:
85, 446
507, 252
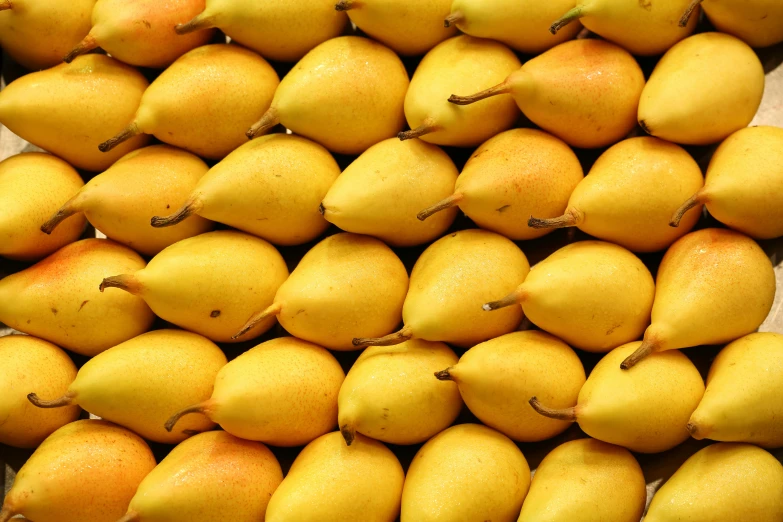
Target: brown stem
67, 210
688, 12
85, 46
193, 206
6, 513
321, 209
5, 4
196, 408
201, 21
127, 282
65, 400
566, 414
513, 298
574, 14
401, 336
694, 201
449, 202
453, 19
267, 121
693, 429
344, 5
643, 351
273, 309
570, 218
427, 127
349, 433
444, 375
501, 88
124, 135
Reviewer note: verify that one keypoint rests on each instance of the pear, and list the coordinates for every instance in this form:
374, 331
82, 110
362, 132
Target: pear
270, 187
282, 392
585, 92
58, 300
87, 470
209, 475
450, 280
138, 383
759, 23
32, 185
467, 472
703, 89
492, 376
331, 482
80, 102
630, 194
208, 284
381, 191
593, 295
713, 286
25, 363
347, 94
282, 31
462, 63
511, 176
743, 182
345, 284
586, 480
645, 412
722, 482
389, 393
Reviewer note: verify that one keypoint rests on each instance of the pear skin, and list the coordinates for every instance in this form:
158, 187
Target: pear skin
759, 23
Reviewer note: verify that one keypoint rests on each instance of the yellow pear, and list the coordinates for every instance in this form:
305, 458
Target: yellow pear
586, 480
450, 280
381, 191
646, 412
511, 176
630, 194
389, 393
467, 472
32, 185
57, 299
593, 295
462, 63
703, 89
345, 284
80, 102
496, 376
270, 187
757, 22
585, 92
87, 470
722, 482
713, 286
282, 392
347, 94
138, 383
28, 363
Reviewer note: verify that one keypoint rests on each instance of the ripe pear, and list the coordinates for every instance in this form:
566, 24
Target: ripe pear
332, 482
270, 187
450, 280
381, 191
645, 412
593, 295
703, 89
80, 103
120, 201
32, 185
30, 363
713, 286
389, 393
87, 470
138, 383
744, 183
511, 176
282, 392
57, 299
462, 63
347, 94
759, 23
345, 284
586, 480
630, 194
208, 475
467, 472
208, 284
494, 375
281, 31
722, 482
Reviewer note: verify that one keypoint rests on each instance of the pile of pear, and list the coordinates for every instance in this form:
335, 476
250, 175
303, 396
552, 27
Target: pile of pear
300, 261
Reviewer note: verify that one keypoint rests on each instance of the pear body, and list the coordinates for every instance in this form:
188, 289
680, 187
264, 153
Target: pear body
57, 299
380, 193
28, 363
81, 102
467, 472
33, 185
703, 89
759, 23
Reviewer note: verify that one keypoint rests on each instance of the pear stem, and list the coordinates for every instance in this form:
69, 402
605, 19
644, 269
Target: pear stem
387, 340
570, 16
643, 351
193, 206
267, 121
513, 298
88, 44
273, 309
65, 400
566, 414
67, 210
694, 201
6, 513
344, 5
425, 128
501, 88
127, 282
5, 4
444, 375
569, 219
449, 202
196, 408
453, 19
688, 12
349, 433
201, 21
124, 135
130, 516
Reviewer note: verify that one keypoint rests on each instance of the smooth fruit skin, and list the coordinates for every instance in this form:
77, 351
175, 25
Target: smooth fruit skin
757, 22
332, 482
586, 480
28, 363
467, 472
703, 89
722, 482
32, 186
